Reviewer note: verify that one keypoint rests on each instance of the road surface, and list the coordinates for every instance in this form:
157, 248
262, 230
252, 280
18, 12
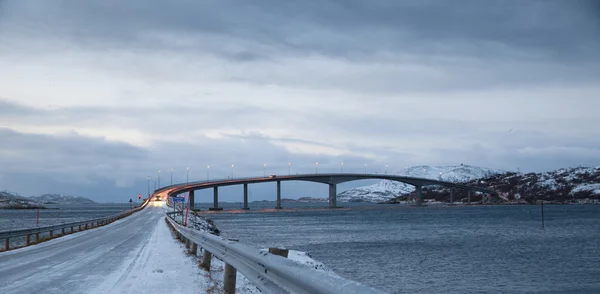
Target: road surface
133, 255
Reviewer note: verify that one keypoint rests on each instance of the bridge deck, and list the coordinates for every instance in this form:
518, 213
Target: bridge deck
133, 255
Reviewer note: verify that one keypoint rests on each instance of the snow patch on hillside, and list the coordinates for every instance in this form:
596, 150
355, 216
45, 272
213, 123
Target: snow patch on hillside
594, 188
381, 191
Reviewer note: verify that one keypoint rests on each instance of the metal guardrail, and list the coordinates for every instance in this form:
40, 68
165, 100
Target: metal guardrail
80, 225
269, 273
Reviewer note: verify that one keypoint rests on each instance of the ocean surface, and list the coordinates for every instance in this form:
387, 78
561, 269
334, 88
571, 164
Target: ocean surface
440, 249
12, 219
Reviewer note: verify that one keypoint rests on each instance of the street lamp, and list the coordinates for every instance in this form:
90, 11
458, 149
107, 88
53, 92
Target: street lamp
232, 171
159, 178
365, 168
187, 175
289, 168
171, 176
386, 166
207, 172
148, 186
317, 167
265, 170
342, 166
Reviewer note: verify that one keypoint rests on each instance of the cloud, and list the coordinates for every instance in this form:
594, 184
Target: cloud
99, 95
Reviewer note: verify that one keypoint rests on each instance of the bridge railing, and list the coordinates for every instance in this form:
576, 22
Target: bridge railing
62, 229
287, 177
269, 273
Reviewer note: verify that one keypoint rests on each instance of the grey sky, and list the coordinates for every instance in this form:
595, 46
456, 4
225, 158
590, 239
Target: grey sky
97, 95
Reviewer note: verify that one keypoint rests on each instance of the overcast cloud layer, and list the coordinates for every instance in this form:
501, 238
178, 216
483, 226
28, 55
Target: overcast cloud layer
95, 96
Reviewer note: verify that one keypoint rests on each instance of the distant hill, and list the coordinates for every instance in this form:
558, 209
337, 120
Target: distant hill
565, 185
386, 190
61, 199
10, 200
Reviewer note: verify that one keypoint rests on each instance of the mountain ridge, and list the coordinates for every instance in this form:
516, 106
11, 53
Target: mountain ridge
385, 190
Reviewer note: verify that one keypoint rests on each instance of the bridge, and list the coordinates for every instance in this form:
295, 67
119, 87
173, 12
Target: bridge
331, 179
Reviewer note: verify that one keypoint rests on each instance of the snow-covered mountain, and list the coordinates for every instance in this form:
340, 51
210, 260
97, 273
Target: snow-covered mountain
386, 190
565, 185
10, 200
453, 173
562, 185
61, 199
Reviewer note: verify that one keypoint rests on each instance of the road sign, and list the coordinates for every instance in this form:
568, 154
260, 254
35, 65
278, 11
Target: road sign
178, 199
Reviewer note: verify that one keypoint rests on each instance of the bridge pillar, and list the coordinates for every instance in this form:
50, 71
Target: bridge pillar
451, 195
215, 199
418, 196
332, 195
278, 195
245, 197
469, 197
191, 200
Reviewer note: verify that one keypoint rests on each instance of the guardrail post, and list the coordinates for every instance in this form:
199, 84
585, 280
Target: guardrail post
86, 226
37, 237
71, 229
79, 227
51, 234
229, 279
63, 231
187, 243
28, 240
206, 257
194, 249
7, 244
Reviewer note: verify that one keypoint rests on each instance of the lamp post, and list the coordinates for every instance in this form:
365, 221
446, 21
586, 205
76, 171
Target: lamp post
232, 171
187, 175
386, 166
154, 185
171, 176
265, 170
342, 166
148, 186
289, 168
317, 167
159, 178
207, 172
365, 168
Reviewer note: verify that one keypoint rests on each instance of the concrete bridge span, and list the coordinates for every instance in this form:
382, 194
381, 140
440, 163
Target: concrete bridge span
330, 179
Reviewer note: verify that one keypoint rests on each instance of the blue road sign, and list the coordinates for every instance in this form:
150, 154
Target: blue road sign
178, 199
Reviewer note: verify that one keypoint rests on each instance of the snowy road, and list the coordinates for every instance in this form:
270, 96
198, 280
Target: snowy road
134, 255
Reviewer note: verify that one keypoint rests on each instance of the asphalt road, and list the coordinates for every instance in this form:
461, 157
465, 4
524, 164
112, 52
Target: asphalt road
82, 261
